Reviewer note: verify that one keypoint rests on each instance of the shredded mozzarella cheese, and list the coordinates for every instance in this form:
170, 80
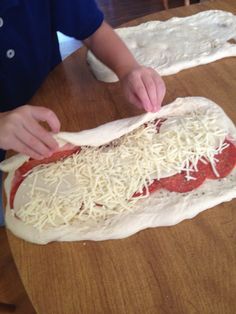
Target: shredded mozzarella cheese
106, 178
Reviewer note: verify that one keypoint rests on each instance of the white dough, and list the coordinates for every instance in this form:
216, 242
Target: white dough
175, 44
13, 162
162, 208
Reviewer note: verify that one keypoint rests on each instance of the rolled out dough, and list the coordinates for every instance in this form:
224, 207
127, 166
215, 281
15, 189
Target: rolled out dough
162, 208
175, 44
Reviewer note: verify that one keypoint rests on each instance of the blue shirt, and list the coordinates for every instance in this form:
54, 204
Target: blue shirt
29, 47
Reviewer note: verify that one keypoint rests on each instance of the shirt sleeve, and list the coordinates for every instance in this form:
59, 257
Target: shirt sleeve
76, 18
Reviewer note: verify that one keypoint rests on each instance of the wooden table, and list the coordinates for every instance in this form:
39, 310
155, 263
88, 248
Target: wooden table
187, 268
166, 3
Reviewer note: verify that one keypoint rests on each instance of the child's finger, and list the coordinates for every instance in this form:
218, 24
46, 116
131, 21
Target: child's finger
45, 114
21, 147
161, 89
151, 90
141, 93
33, 142
134, 100
43, 135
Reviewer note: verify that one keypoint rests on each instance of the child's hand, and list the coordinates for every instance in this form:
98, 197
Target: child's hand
144, 88
20, 130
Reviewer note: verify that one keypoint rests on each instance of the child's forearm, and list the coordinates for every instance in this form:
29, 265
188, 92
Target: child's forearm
142, 86
110, 49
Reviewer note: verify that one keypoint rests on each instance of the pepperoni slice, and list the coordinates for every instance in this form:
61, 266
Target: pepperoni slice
179, 183
159, 124
18, 178
226, 162
61, 154
27, 166
154, 186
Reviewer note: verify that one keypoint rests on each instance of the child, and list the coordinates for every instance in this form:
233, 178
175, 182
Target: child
29, 50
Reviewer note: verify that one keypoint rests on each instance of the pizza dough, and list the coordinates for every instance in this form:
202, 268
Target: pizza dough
175, 44
162, 208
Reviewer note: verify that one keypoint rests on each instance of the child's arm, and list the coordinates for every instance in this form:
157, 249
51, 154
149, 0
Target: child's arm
142, 86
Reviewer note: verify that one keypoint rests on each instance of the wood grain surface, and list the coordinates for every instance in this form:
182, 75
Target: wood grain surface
13, 298
187, 268
121, 11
